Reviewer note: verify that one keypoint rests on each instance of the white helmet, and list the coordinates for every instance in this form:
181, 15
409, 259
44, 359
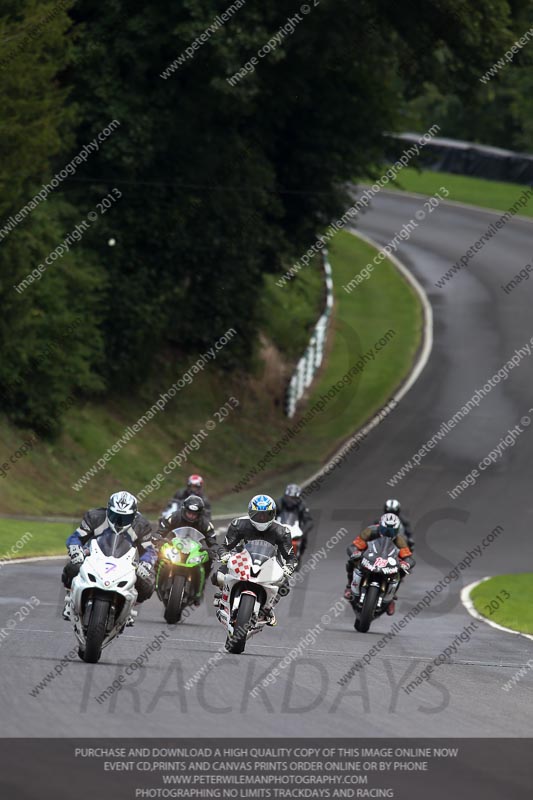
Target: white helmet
389, 525
121, 511
391, 507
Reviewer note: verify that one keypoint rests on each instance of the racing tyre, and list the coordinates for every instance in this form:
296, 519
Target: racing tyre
95, 631
362, 623
236, 643
175, 600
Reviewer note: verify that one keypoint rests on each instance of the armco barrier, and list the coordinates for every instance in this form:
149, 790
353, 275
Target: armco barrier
469, 158
311, 360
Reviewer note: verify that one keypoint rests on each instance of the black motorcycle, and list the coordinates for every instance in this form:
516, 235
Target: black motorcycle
380, 568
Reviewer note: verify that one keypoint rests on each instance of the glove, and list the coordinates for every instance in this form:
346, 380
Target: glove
76, 554
287, 570
405, 566
145, 571
224, 558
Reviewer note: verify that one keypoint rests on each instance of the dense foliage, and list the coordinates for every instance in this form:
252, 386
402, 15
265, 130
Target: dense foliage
212, 184
499, 105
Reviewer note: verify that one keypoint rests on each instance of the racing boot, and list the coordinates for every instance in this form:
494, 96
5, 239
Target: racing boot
268, 615
67, 608
132, 617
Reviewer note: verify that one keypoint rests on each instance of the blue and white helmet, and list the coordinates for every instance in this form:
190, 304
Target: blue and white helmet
389, 525
262, 511
121, 511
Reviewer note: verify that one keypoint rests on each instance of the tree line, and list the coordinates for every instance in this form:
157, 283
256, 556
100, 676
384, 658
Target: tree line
201, 187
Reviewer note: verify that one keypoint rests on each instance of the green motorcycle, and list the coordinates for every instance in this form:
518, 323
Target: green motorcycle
181, 572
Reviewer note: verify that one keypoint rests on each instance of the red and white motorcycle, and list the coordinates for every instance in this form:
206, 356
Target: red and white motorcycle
251, 585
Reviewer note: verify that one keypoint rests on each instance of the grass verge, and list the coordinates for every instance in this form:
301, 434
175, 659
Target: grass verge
384, 303
384, 308
464, 189
47, 538
296, 310
490, 599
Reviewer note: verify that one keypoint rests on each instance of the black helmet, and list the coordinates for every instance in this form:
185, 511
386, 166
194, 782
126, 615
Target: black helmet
292, 495
392, 507
192, 508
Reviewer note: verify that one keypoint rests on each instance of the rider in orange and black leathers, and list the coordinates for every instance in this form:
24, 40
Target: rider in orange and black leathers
389, 525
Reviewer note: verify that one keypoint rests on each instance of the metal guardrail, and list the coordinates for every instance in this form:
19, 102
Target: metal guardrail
470, 158
311, 360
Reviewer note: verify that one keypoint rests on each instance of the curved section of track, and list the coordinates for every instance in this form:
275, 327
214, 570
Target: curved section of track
477, 328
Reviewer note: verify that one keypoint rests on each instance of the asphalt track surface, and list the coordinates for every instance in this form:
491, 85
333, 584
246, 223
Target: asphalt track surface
476, 329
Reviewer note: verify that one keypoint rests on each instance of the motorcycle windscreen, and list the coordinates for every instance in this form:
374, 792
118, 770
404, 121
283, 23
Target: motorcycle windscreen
188, 533
289, 517
114, 545
383, 547
260, 551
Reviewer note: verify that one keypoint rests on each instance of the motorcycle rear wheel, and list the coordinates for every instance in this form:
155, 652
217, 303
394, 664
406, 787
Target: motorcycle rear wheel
237, 642
366, 615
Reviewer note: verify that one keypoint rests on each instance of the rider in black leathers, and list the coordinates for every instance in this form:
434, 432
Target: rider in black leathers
190, 514
121, 516
292, 501
195, 486
258, 524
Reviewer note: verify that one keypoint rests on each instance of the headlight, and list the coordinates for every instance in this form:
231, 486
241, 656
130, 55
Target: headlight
169, 553
195, 559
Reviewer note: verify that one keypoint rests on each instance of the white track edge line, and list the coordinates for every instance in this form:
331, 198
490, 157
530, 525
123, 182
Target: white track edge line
416, 370
466, 600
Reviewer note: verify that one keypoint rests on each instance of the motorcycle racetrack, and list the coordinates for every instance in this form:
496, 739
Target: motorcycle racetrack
183, 684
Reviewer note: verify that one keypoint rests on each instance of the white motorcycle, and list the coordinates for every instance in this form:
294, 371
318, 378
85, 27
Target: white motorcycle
290, 520
103, 593
251, 585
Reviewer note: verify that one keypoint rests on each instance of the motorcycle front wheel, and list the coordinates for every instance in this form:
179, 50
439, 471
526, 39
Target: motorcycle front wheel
96, 631
237, 641
175, 601
366, 615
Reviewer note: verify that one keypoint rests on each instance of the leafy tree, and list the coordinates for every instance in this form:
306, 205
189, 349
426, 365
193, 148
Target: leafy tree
221, 181
47, 354
496, 112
